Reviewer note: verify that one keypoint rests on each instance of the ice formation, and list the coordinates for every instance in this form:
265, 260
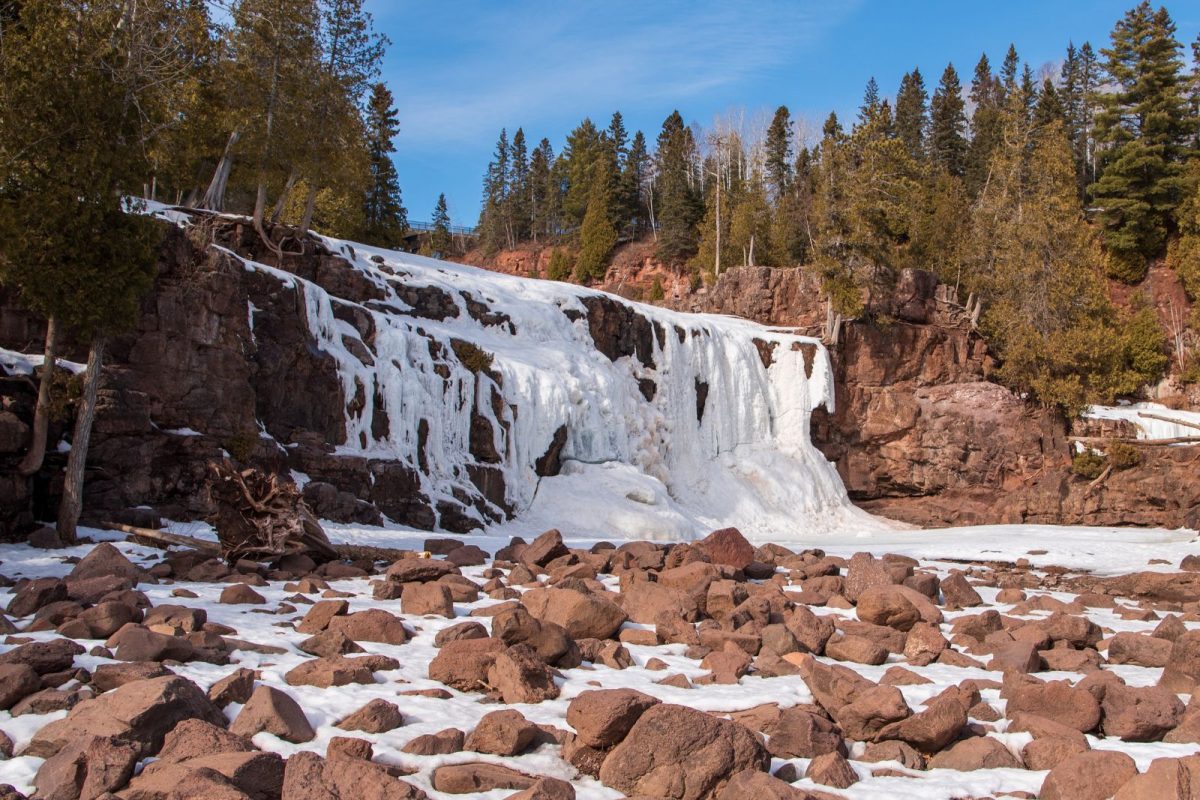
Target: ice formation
702, 423
1153, 420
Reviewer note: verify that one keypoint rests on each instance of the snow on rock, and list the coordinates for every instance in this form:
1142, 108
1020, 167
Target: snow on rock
560, 406
24, 363
1153, 420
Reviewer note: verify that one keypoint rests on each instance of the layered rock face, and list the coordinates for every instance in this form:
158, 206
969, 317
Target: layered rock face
433, 395
920, 434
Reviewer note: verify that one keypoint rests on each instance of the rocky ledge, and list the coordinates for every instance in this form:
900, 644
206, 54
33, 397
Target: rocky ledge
706, 670
921, 434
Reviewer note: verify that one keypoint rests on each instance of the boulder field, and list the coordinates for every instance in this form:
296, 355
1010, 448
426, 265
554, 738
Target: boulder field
712, 669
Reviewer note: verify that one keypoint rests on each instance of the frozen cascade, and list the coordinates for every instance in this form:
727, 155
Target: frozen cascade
660, 468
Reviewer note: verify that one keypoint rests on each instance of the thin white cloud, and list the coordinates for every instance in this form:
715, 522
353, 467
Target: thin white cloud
514, 63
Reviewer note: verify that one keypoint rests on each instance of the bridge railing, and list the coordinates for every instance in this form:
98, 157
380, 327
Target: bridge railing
457, 230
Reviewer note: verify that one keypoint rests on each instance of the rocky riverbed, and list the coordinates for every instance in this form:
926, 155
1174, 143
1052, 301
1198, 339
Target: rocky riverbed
541, 670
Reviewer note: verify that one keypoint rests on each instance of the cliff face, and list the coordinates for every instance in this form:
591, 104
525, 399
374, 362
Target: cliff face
434, 395
919, 434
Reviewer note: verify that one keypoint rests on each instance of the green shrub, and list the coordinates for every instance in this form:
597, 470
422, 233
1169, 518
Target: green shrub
656, 291
471, 356
1123, 456
241, 446
1088, 465
560, 266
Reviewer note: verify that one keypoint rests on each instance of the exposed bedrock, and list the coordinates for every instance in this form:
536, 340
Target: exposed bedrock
392, 387
921, 435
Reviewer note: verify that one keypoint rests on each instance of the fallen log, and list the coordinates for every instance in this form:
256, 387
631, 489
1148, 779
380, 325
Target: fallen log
1161, 418
1140, 442
165, 539
156, 538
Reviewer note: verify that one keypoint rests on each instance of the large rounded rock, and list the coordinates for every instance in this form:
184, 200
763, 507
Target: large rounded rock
274, 712
1072, 706
1182, 671
801, 734
727, 546
139, 713
582, 615
1087, 776
979, 752
887, 605
678, 752
602, 717
1140, 714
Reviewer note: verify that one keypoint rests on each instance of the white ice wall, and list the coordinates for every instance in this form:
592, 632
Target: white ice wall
632, 467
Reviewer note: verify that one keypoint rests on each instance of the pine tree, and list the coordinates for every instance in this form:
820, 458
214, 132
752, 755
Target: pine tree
1079, 81
79, 111
870, 104
585, 144
1008, 72
618, 139
750, 225
633, 180
1049, 107
520, 211
348, 57
947, 145
1184, 255
678, 207
275, 53
493, 222
987, 125
1142, 131
1046, 308
912, 114
440, 241
385, 220
597, 235
788, 239
541, 189
778, 153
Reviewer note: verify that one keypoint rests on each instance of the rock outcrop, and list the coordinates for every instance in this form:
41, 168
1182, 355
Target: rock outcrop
920, 434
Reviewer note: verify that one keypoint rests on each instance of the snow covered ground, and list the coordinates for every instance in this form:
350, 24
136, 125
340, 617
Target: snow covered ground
1104, 550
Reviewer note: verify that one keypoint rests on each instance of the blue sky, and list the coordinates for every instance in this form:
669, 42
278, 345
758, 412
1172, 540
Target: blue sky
463, 70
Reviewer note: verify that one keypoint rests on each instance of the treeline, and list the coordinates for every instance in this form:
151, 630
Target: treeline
267, 107
1048, 185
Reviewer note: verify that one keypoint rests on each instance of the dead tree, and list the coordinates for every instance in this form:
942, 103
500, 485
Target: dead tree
258, 516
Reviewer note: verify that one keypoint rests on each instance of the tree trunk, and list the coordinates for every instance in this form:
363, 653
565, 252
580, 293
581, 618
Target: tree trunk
214, 196
72, 498
310, 206
33, 459
277, 214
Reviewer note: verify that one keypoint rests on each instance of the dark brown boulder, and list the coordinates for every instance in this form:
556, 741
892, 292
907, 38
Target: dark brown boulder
140, 713
274, 712
678, 752
1087, 776
727, 546
602, 717
377, 716
503, 733
86, 767
307, 776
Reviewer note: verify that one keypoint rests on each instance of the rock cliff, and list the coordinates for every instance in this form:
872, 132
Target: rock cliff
921, 435
433, 395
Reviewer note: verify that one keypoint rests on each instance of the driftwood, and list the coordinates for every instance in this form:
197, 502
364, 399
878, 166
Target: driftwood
258, 516
157, 538
1138, 442
1160, 418
164, 539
